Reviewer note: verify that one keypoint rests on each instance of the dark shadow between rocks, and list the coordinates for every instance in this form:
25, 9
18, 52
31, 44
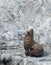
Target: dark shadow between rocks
5, 61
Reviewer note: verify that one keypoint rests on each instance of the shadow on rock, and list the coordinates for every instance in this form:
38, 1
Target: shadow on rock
5, 61
46, 53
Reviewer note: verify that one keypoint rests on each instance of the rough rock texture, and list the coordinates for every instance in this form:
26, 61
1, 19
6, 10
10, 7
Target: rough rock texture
15, 17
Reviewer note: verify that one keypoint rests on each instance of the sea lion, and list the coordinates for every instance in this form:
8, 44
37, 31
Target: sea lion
32, 48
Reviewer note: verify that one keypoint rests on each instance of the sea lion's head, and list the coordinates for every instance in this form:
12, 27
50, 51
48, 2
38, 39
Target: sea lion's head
30, 33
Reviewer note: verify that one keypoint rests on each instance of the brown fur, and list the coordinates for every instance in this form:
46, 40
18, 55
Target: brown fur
28, 40
36, 50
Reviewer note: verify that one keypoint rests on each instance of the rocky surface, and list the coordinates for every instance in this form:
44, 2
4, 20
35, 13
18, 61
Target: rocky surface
15, 18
